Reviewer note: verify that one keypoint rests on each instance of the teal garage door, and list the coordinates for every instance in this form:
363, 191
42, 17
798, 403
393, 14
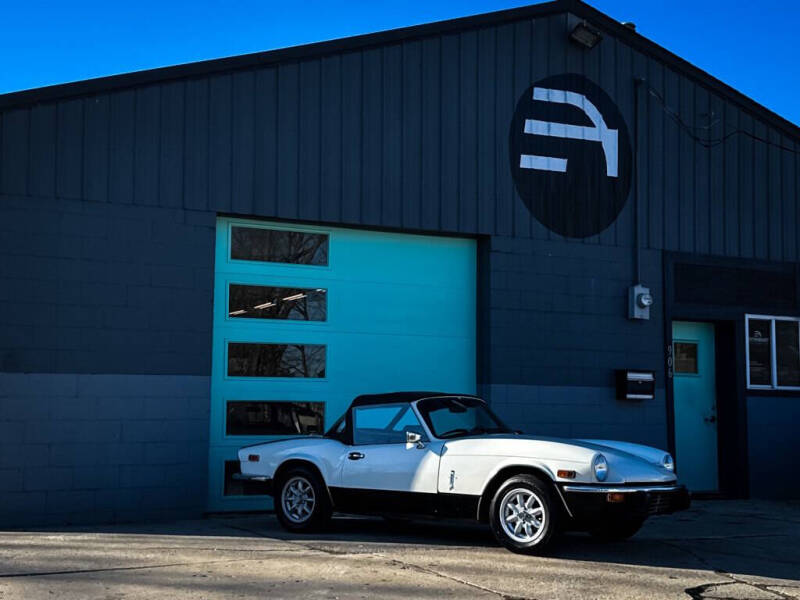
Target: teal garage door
306, 318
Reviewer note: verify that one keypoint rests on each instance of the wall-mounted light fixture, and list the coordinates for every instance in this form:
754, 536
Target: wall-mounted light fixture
585, 35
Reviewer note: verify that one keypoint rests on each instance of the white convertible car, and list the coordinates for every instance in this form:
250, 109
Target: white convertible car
447, 455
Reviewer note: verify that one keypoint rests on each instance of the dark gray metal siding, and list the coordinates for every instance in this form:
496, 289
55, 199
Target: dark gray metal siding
408, 135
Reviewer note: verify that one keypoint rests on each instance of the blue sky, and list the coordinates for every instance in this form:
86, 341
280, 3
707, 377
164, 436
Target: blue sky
749, 45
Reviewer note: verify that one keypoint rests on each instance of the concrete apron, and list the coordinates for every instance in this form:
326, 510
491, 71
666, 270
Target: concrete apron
718, 549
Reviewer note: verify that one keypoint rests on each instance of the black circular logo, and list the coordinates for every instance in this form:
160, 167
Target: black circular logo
570, 155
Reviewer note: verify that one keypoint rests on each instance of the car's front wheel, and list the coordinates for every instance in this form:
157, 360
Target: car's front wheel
523, 516
302, 502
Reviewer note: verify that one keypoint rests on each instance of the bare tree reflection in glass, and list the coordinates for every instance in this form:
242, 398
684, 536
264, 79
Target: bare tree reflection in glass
276, 360
278, 245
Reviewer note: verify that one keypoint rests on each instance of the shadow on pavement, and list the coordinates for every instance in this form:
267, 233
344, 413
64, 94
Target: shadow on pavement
715, 537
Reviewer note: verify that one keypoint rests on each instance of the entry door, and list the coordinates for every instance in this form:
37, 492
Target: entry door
695, 396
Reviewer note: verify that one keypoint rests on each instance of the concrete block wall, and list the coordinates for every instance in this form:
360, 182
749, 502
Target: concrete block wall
105, 357
559, 329
102, 448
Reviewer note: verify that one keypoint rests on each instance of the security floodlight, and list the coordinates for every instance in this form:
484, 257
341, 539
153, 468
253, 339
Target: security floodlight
585, 35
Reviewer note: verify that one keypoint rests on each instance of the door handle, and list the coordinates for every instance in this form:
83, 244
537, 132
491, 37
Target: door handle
355, 455
711, 419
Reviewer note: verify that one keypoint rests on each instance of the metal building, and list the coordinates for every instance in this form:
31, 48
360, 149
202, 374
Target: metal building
538, 205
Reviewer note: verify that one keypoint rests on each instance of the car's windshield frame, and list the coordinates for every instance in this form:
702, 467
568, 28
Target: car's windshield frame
427, 405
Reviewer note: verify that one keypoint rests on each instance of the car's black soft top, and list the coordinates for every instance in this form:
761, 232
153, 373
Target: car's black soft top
400, 397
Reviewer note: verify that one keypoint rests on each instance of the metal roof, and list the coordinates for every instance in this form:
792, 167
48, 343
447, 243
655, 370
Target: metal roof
598, 19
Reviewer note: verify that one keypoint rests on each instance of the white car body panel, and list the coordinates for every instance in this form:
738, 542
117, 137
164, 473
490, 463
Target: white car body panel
393, 467
460, 466
476, 460
327, 455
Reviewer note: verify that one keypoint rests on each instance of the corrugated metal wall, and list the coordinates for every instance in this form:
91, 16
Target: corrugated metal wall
409, 135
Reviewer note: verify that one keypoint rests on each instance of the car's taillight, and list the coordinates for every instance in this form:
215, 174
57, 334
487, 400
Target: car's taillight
253, 458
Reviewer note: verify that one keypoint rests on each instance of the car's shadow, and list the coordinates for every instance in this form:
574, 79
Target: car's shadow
770, 555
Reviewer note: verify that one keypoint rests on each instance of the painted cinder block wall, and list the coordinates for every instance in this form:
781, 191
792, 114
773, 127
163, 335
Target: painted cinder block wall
109, 193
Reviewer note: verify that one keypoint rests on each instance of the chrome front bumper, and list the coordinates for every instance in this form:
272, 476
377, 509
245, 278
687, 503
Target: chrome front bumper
590, 502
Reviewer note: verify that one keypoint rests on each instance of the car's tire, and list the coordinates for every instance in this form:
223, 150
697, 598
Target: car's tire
302, 503
514, 510
617, 529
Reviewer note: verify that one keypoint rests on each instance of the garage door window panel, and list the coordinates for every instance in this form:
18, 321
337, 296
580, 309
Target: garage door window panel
274, 418
276, 360
279, 246
281, 303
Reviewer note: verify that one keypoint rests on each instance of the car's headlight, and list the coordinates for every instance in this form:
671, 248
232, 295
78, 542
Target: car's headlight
600, 466
668, 463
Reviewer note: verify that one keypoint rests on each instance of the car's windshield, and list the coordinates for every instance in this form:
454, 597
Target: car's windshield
451, 417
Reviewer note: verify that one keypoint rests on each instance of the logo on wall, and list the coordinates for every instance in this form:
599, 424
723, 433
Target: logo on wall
570, 155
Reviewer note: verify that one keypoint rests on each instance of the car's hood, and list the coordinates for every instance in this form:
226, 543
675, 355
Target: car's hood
627, 462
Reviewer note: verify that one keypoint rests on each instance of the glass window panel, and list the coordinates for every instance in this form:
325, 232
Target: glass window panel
265, 302
760, 351
279, 245
274, 418
275, 360
384, 424
454, 417
787, 350
241, 487
685, 357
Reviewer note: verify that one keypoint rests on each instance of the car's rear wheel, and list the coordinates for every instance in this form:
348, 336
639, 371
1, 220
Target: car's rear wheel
523, 516
302, 502
617, 529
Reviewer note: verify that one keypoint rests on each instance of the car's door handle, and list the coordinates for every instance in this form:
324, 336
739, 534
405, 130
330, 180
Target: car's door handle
355, 455
711, 419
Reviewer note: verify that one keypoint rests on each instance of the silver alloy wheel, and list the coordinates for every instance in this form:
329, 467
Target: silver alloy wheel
522, 515
298, 499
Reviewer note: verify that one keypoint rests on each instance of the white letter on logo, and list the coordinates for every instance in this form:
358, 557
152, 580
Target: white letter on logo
599, 133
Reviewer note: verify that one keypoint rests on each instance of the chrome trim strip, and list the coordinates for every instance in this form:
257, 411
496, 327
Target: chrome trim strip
564, 502
242, 477
632, 488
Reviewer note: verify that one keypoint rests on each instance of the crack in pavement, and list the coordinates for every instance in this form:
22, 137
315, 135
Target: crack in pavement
390, 562
136, 568
698, 592
458, 580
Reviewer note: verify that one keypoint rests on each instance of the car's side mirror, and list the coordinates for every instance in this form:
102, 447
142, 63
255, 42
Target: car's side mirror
414, 438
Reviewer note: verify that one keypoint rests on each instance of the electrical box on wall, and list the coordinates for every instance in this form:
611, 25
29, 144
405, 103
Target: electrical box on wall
636, 385
639, 301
